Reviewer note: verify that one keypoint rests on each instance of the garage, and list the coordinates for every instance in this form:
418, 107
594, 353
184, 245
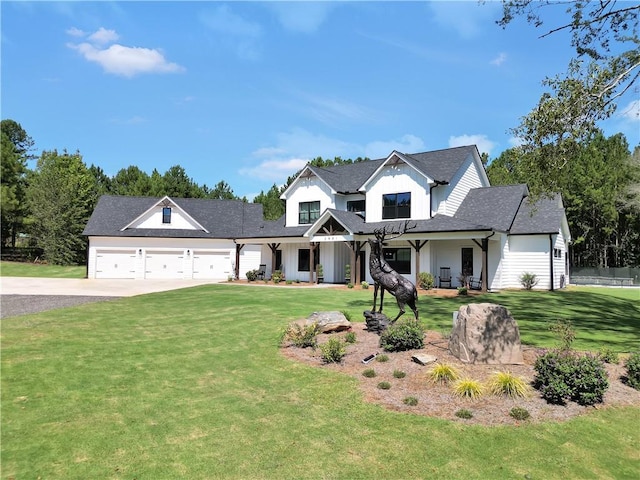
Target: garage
164, 264
211, 265
115, 264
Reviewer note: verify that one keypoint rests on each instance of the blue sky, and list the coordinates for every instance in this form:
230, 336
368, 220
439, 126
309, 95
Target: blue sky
247, 92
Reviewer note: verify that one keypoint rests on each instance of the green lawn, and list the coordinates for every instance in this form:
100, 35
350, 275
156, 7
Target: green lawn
22, 269
190, 384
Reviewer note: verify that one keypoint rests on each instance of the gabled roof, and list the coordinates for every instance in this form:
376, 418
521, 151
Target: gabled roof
165, 202
495, 207
545, 216
220, 218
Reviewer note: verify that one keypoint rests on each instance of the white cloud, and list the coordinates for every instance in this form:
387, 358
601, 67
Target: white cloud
467, 18
75, 32
484, 144
331, 110
499, 60
103, 36
631, 111
302, 17
223, 20
515, 142
119, 59
406, 144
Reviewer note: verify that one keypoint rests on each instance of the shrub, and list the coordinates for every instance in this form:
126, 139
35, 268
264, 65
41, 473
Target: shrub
277, 276
463, 290
402, 336
301, 336
443, 373
468, 388
632, 365
350, 337
607, 355
426, 280
519, 413
369, 373
464, 413
505, 383
562, 376
528, 280
563, 329
382, 358
252, 275
346, 314
349, 285
364, 285
411, 401
288, 282
399, 374
384, 385
333, 351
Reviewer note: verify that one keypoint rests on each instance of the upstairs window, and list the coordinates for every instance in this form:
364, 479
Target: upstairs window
308, 212
396, 205
355, 206
166, 215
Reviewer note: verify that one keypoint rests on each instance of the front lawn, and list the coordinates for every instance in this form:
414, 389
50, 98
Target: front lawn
191, 384
24, 269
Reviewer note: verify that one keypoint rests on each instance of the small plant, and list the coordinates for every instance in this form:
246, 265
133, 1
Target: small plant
346, 314
347, 273
563, 329
382, 358
369, 373
349, 285
252, 275
320, 273
350, 337
297, 280
426, 280
230, 278
464, 413
402, 336
443, 373
528, 280
277, 276
399, 374
364, 285
468, 388
463, 290
384, 385
519, 413
289, 282
333, 351
607, 355
301, 336
411, 401
505, 383
632, 366
562, 376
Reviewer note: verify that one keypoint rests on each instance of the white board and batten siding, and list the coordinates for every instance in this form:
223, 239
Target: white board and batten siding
526, 253
310, 189
465, 179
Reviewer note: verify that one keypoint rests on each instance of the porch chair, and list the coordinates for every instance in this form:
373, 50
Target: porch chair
475, 283
262, 271
445, 277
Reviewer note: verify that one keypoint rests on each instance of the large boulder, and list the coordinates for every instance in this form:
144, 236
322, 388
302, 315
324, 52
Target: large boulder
329, 321
486, 333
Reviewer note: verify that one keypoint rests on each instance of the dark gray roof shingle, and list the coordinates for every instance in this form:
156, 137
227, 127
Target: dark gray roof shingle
543, 217
495, 207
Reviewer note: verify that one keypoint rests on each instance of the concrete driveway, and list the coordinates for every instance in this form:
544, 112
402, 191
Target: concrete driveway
25, 295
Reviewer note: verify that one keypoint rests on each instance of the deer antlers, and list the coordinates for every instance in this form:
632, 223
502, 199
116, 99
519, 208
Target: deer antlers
381, 233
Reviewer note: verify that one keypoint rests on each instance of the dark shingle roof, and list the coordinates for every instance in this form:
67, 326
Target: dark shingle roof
221, 218
441, 165
495, 207
545, 216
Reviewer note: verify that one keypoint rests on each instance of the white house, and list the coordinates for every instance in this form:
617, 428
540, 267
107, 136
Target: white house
459, 222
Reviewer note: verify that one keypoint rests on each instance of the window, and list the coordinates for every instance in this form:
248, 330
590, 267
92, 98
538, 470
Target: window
557, 253
308, 212
304, 259
399, 259
166, 215
355, 206
396, 205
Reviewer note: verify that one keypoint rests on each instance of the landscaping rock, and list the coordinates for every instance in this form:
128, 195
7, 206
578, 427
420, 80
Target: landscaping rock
486, 333
329, 321
424, 359
377, 322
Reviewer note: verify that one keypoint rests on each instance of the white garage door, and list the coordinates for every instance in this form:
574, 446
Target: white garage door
211, 265
164, 264
115, 264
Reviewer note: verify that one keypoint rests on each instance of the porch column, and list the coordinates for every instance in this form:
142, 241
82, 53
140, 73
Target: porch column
273, 247
355, 248
484, 246
417, 246
312, 260
239, 246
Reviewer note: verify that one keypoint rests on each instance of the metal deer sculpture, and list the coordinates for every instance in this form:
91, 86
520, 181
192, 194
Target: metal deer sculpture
386, 278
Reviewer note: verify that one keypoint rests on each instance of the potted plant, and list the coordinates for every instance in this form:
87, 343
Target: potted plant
347, 273
320, 273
